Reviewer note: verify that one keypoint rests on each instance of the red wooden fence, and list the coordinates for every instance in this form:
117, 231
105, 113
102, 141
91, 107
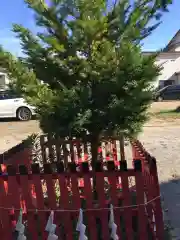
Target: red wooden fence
151, 187
132, 216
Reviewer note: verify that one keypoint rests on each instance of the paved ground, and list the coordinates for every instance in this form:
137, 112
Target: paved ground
164, 144
166, 105
160, 137
13, 132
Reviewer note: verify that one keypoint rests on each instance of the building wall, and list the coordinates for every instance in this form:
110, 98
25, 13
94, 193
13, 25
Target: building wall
3, 80
177, 49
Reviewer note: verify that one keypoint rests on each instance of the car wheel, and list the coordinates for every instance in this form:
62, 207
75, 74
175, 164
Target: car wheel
24, 114
160, 99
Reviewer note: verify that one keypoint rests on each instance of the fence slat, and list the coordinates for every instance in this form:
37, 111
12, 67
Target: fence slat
102, 201
50, 186
64, 202
13, 192
4, 213
142, 219
26, 192
89, 202
40, 198
127, 202
157, 209
74, 186
114, 198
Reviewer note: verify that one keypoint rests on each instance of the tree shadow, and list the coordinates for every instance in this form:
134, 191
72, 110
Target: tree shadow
170, 192
177, 110
15, 119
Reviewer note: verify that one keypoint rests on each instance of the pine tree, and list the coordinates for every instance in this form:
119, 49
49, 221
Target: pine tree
88, 56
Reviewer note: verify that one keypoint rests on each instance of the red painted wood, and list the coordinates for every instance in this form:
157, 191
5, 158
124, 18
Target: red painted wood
127, 202
89, 204
142, 220
114, 200
148, 186
103, 214
14, 196
50, 191
76, 201
40, 204
26, 192
4, 213
157, 203
64, 204
52, 204
149, 179
75, 192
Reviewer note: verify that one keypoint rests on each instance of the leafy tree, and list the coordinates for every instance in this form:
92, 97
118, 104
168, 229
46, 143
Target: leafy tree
88, 55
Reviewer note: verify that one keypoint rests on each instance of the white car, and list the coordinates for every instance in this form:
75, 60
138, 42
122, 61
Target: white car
13, 106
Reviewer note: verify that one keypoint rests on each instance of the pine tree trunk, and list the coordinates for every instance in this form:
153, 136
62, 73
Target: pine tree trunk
94, 149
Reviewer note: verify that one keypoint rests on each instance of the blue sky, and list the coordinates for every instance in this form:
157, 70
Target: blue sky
15, 11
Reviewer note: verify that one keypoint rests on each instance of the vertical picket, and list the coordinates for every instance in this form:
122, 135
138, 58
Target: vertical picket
13, 191
102, 200
126, 201
36, 179
157, 209
26, 192
50, 182
76, 201
50, 186
142, 219
112, 177
64, 201
91, 216
74, 187
4, 213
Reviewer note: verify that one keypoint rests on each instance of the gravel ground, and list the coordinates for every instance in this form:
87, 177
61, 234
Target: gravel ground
13, 132
164, 144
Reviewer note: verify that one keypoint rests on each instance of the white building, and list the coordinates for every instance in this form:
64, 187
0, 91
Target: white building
4, 81
169, 59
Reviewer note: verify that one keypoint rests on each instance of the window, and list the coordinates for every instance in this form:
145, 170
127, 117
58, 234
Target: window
174, 88
4, 95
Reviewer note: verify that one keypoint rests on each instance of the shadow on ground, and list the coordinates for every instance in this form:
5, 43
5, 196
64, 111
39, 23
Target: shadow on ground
170, 192
14, 119
177, 110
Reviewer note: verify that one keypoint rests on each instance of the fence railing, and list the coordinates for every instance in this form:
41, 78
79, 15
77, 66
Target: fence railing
76, 150
65, 187
151, 187
39, 193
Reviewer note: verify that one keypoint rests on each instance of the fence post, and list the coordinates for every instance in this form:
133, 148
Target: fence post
142, 218
158, 209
